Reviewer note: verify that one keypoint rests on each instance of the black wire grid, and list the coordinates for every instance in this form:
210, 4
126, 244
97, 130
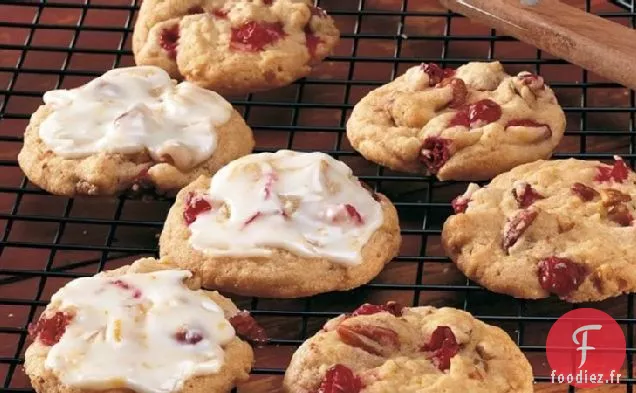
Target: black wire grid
48, 240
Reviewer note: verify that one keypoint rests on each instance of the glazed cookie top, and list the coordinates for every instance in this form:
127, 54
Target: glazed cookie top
307, 203
383, 349
129, 110
565, 227
439, 117
143, 331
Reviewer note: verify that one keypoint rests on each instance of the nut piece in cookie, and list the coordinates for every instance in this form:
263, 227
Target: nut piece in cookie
466, 124
130, 128
153, 330
282, 224
234, 47
562, 228
415, 349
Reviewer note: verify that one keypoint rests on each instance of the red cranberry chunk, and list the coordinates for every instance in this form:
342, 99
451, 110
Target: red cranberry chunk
435, 73
340, 379
461, 119
255, 36
460, 204
618, 172
186, 336
135, 292
444, 346
560, 275
168, 40
220, 13
369, 309
193, 206
533, 81
459, 89
49, 330
311, 41
515, 227
483, 112
252, 219
353, 214
248, 329
195, 10
526, 195
435, 152
584, 192
270, 179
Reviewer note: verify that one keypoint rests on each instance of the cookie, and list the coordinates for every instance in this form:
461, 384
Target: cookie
234, 46
386, 349
152, 330
132, 127
282, 224
561, 227
466, 124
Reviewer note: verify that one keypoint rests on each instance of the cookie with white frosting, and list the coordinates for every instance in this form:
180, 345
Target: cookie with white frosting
146, 327
130, 127
282, 224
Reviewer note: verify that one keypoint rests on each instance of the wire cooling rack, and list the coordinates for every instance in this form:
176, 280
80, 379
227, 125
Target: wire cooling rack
48, 240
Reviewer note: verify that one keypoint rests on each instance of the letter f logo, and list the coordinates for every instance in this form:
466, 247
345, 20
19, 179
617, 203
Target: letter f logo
583, 344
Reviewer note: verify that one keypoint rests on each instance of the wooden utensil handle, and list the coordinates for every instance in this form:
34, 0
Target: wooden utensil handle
594, 43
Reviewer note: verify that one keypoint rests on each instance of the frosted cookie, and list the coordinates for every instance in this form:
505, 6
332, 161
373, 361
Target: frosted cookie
147, 328
282, 224
466, 124
234, 46
561, 227
131, 127
386, 349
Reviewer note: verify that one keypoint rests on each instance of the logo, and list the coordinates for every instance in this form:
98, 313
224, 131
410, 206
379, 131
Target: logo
586, 348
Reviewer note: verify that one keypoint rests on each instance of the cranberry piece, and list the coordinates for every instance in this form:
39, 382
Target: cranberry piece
533, 81
526, 195
190, 337
255, 36
195, 10
270, 179
220, 13
353, 214
460, 204
618, 172
435, 152
369, 309
460, 119
435, 73
515, 227
459, 89
529, 123
136, 292
168, 40
483, 112
340, 379
251, 219
49, 330
194, 205
560, 275
584, 192
444, 346
317, 11
311, 41
248, 329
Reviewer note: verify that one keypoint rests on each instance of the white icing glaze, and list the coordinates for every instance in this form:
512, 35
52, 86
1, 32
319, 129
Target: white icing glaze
123, 333
302, 202
129, 110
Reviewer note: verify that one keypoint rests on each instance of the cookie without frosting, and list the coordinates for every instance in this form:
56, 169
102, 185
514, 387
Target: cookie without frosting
387, 349
466, 124
562, 227
235, 46
131, 127
282, 224
153, 330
